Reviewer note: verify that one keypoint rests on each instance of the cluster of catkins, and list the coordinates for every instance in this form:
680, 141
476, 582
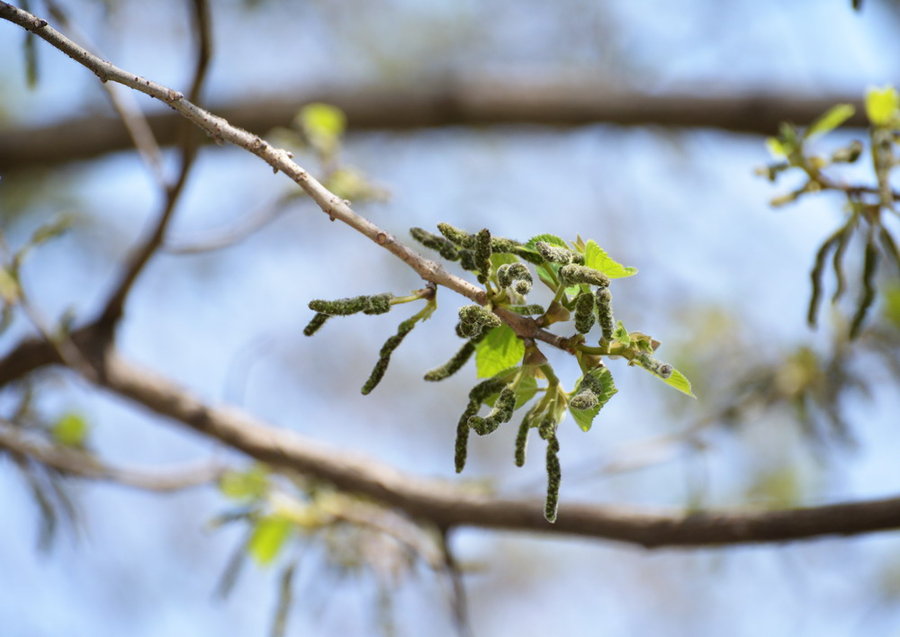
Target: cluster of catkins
509, 282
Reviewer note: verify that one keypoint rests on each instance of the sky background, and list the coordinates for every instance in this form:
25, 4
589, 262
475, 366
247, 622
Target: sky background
682, 206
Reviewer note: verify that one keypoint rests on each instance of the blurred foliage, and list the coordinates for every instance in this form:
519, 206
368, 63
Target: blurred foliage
870, 210
287, 516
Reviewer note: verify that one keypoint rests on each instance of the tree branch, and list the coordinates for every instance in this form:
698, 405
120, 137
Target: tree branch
447, 506
461, 102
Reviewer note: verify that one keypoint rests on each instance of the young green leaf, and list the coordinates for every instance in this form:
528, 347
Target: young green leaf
775, 147
833, 117
499, 350
245, 485
600, 381
621, 335
595, 257
882, 105
679, 381
323, 124
269, 535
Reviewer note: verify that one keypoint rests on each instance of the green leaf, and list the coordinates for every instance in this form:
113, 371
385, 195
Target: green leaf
882, 104
602, 380
502, 258
245, 485
269, 535
621, 335
833, 117
776, 149
70, 430
679, 381
552, 239
499, 350
595, 257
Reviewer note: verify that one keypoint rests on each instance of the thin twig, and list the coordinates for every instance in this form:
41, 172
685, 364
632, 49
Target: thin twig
142, 254
75, 462
246, 227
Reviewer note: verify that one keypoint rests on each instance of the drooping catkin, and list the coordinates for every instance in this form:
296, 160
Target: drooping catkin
500, 413
384, 356
605, 313
522, 439
554, 477
584, 312
454, 364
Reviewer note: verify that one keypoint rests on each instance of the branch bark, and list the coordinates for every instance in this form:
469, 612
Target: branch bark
461, 102
448, 506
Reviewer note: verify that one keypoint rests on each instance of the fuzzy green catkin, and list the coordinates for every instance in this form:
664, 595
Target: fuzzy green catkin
527, 310
663, 370
558, 254
459, 237
554, 477
384, 356
500, 413
443, 246
483, 254
317, 321
378, 304
515, 275
584, 399
454, 364
604, 312
574, 274
584, 312
522, 440
461, 446
503, 277
474, 320
467, 260
500, 245
370, 304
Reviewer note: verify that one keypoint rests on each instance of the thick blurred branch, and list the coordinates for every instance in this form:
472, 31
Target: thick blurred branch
457, 102
447, 506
